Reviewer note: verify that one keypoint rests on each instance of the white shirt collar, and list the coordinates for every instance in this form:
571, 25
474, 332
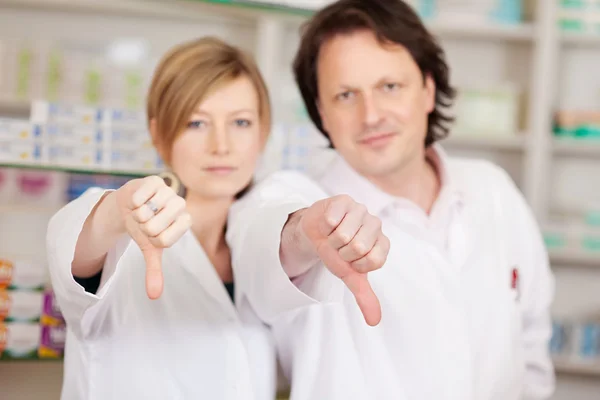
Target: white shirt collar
341, 178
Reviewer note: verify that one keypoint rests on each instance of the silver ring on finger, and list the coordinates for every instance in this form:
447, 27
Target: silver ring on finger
152, 207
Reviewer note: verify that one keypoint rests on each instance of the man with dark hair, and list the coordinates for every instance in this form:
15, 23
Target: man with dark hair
460, 309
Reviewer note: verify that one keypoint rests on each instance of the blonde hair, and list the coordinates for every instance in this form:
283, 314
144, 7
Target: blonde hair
187, 74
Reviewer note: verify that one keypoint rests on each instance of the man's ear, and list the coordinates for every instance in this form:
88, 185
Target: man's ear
429, 93
320, 110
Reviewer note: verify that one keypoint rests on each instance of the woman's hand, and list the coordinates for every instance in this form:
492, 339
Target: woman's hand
155, 217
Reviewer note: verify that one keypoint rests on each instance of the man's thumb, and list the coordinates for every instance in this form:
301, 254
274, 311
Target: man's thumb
365, 297
154, 276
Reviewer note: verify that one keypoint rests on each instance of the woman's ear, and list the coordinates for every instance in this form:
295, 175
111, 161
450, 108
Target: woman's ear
157, 142
153, 132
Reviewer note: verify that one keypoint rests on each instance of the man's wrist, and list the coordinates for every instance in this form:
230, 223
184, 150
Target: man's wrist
296, 252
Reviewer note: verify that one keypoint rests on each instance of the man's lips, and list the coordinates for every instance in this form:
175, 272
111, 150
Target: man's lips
377, 139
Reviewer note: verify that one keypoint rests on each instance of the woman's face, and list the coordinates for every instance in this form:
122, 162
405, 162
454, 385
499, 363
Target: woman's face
216, 155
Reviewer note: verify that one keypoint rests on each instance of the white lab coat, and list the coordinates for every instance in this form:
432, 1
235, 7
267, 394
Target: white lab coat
192, 343
453, 327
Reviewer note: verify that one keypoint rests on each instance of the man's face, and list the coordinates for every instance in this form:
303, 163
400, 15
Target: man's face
374, 103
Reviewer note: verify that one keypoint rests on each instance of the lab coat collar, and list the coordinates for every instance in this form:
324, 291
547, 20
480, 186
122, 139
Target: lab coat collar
193, 257
450, 185
341, 178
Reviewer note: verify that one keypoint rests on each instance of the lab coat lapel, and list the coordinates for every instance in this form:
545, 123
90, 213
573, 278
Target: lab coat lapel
194, 259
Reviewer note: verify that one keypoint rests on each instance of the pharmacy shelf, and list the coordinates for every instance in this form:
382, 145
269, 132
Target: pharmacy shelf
250, 11
76, 170
518, 32
28, 209
580, 39
574, 258
591, 369
173, 9
4, 359
577, 147
481, 142
14, 108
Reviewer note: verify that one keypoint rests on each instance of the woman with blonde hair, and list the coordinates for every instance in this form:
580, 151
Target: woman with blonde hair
164, 322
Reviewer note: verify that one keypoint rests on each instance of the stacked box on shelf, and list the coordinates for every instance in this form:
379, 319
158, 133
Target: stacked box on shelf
21, 68
297, 4
579, 16
577, 124
576, 341
20, 142
129, 144
96, 138
30, 325
72, 70
53, 329
471, 11
71, 134
578, 235
477, 105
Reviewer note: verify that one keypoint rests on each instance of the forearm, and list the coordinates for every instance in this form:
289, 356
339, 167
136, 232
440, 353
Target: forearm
101, 231
296, 253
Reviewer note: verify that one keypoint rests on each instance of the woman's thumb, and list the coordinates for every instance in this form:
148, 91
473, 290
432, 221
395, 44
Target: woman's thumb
154, 276
365, 297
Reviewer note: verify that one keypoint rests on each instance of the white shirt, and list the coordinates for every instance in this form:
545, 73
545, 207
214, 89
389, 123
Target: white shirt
453, 327
191, 343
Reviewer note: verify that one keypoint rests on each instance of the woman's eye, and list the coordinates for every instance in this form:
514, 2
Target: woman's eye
196, 124
243, 123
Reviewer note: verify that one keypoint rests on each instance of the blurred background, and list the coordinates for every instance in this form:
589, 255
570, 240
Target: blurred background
73, 77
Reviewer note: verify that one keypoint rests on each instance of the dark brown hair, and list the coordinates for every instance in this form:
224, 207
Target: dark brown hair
392, 21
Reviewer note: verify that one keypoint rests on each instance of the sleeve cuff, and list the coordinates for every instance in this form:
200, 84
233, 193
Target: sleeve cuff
259, 273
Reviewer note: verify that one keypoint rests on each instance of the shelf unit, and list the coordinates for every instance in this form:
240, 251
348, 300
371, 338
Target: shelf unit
79, 170
520, 33
271, 22
14, 108
580, 39
573, 258
28, 209
537, 148
517, 143
580, 368
173, 9
576, 148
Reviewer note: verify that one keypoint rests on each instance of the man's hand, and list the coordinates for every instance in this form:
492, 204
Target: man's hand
155, 218
350, 243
